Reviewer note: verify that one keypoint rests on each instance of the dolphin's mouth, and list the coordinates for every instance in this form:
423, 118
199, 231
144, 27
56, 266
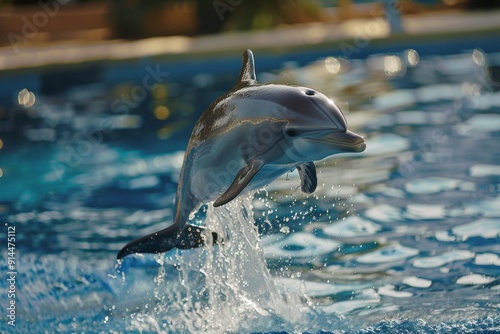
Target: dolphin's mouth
347, 141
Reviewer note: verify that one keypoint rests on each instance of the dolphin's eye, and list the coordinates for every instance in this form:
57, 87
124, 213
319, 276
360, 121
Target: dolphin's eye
310, 92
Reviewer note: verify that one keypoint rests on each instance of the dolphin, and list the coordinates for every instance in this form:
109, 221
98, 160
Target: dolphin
243, 141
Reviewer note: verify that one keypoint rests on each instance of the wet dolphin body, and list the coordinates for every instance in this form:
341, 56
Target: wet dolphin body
244, 140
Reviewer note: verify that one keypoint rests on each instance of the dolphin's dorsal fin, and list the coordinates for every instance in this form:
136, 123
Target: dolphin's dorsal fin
308, 177
247, 73
244, 176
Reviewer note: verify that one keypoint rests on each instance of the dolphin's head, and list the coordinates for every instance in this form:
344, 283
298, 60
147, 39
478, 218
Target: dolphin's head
316, 127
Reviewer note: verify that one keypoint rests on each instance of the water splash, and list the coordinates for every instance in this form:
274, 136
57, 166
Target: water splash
225, 288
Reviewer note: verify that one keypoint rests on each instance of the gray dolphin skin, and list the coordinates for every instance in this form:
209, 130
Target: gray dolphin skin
244, 140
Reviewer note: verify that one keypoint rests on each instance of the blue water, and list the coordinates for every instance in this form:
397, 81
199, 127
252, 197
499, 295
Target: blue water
403, 238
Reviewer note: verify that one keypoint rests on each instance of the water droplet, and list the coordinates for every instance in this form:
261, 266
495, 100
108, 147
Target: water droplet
285, 230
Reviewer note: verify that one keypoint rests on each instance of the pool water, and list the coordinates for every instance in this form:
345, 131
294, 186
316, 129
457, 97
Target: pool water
403, 237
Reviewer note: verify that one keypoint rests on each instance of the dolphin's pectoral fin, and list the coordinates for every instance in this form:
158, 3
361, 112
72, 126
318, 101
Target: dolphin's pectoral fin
247, 73
244, 176
308, 178
162, 241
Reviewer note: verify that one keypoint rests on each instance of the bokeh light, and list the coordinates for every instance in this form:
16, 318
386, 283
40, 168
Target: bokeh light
161, 112
26, 98
336, 65
412, 57
393, 66
332, 65
478, 57
160, 92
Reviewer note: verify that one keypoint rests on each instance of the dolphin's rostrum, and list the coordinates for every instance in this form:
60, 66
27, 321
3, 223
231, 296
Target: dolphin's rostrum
244, 140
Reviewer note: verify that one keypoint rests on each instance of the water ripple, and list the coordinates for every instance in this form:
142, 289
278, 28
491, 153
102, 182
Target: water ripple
475, 279
482, 170
384, 213
390, 291
386, 144
441, 260
392, 253
298, 244
352, 226
486, 228
487, 259
488, 208
417, 282
425, 211
431, 185
480, 125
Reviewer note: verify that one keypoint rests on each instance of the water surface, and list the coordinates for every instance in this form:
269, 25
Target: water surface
403, 237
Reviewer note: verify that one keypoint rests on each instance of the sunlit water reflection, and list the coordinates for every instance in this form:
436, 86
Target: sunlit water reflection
407, 230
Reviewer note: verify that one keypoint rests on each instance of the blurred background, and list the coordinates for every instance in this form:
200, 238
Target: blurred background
112, 19
56, 47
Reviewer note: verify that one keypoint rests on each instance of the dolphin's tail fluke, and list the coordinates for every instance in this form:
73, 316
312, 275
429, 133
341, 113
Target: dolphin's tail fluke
172, 237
